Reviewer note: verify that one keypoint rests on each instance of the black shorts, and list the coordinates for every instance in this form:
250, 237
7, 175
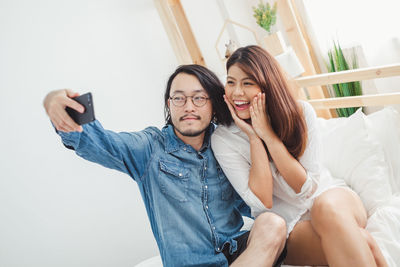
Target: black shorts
242, 245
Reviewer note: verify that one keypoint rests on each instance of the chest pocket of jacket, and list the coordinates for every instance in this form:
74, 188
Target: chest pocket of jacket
174, 180
226, 187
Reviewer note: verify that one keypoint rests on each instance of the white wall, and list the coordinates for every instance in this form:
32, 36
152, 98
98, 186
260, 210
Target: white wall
370, 24
207, 20
55, 208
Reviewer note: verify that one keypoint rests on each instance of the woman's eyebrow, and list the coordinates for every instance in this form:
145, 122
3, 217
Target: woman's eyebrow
245, 78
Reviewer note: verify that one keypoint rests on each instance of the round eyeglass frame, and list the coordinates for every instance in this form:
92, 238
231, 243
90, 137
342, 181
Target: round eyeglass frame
186, 98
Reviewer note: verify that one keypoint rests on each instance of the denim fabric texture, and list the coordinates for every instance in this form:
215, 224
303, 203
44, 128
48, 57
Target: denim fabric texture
194, 212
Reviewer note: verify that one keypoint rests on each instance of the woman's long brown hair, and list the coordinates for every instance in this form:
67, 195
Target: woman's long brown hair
285, 114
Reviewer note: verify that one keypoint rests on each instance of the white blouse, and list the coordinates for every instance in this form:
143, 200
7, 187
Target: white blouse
232, 150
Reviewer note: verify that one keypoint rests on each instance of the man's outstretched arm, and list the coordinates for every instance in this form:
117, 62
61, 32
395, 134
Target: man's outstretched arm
126, 152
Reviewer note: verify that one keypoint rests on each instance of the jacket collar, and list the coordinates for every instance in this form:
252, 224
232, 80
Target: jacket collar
173, 143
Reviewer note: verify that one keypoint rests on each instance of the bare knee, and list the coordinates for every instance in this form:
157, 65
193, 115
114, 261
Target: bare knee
269, 230
335, 208
325, 213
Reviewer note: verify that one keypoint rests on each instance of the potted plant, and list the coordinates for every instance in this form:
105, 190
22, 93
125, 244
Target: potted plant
338, 62
265, 16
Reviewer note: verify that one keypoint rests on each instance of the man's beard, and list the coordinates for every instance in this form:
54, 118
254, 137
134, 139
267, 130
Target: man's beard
191, 133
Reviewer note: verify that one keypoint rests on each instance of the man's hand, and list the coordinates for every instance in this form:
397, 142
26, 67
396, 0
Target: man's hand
55, 103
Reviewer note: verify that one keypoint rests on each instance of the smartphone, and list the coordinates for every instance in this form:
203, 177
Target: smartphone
85, 100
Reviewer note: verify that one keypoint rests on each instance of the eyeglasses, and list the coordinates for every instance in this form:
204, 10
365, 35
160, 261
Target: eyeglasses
197, 100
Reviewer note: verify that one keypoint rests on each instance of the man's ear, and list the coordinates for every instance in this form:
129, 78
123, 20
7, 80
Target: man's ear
168, 103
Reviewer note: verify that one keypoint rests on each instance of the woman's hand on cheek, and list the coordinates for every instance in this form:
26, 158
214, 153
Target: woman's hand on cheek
244, 126
259, 118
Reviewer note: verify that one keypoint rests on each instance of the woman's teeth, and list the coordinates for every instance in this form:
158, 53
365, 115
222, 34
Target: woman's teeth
240, 103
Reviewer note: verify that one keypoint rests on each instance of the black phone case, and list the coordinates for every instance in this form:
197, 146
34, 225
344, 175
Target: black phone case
85, 100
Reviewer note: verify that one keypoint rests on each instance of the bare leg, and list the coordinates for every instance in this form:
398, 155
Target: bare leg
304, 246
266, 242
376, 251
336, 216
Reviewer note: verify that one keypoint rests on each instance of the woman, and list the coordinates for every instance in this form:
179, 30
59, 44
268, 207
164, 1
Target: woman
271, 155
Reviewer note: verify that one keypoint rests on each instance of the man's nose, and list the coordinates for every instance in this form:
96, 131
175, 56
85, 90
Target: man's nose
189, 105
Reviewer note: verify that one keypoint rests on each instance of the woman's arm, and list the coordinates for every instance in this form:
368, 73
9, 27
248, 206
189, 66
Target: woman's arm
289, 168
260, 176
260, 179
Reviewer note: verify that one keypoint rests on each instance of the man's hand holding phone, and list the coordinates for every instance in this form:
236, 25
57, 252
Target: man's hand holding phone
55, 104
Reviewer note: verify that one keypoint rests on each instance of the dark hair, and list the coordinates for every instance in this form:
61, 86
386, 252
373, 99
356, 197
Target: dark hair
285, 114
213, 86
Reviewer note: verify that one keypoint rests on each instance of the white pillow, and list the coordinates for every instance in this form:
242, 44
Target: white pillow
384, 125
351, 153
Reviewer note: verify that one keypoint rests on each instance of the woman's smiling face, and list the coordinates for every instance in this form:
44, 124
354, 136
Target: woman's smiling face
240, 91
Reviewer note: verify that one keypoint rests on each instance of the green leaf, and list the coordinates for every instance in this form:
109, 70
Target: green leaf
265, 15
338, 62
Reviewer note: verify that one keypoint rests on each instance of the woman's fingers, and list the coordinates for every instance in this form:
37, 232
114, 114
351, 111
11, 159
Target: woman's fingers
260, 103
256, 105
263, 100
252, 114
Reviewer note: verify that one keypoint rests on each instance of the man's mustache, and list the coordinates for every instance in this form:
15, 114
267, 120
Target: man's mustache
189, 115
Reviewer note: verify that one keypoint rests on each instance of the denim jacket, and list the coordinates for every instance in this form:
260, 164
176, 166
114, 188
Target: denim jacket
193, 209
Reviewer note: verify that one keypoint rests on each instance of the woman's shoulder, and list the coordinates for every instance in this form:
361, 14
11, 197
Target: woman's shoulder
228, 135
224, 131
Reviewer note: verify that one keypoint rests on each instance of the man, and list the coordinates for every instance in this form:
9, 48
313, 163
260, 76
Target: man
191, 205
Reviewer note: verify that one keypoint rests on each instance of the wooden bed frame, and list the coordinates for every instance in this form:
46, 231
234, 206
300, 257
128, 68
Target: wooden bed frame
350, 76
